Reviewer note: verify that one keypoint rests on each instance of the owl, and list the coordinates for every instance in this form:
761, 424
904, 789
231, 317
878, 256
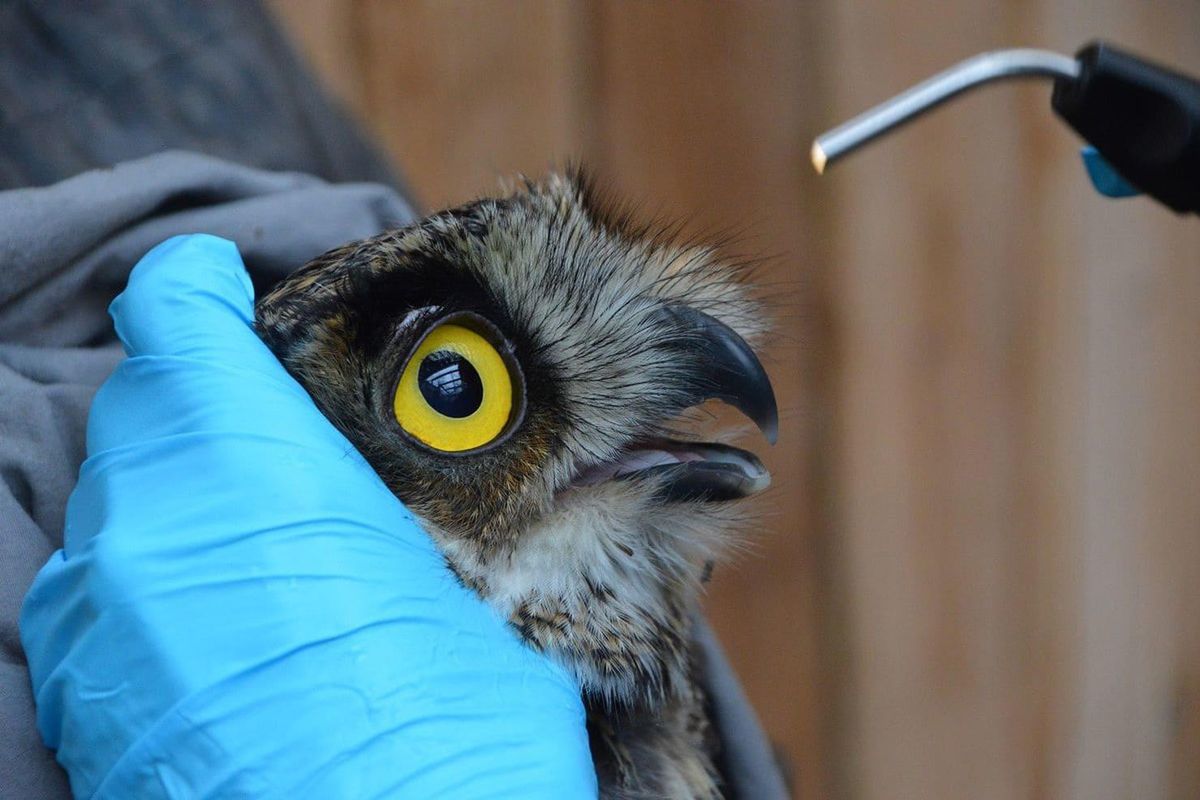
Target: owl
518, 371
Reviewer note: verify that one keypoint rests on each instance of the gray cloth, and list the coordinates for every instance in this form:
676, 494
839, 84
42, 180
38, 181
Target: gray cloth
65, 253
129, 78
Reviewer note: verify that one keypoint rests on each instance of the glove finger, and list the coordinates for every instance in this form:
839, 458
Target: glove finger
191, 296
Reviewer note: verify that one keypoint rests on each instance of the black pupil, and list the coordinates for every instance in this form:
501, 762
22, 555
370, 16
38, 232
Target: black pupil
450, 384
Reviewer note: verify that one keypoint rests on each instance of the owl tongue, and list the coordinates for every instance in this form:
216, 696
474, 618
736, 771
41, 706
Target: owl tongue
630, 461
685, 471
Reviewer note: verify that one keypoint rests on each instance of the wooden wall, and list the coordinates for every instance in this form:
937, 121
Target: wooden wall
980, 574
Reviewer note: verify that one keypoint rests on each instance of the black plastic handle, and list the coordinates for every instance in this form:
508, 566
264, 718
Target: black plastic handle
1143, 118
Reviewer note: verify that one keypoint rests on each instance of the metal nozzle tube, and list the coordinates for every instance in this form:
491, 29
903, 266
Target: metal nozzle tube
977, 71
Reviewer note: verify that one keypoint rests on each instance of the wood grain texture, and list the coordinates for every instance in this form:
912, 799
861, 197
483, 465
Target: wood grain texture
981, 573
464, 96
946, 678
1014, 633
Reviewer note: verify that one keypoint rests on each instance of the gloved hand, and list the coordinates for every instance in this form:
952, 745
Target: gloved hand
242, 609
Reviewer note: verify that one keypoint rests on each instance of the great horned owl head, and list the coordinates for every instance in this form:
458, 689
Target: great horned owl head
520, 361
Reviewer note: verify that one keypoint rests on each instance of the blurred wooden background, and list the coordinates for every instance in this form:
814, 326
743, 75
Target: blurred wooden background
982, 574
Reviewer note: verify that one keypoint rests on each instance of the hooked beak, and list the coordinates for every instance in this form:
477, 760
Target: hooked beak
729, 369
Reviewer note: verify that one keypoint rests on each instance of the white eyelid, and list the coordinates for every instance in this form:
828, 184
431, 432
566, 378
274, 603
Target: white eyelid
417, 313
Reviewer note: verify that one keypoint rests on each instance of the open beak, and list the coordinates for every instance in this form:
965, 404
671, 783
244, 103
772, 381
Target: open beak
727, 370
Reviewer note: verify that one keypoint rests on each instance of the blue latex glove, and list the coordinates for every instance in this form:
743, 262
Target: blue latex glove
242, 609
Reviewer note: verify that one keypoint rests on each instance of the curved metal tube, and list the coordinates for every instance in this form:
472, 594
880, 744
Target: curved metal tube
976, 71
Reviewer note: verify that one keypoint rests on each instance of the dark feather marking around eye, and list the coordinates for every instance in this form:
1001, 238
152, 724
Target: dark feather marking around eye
367, 399
379, 298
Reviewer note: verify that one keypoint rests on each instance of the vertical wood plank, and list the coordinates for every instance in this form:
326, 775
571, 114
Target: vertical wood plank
1007, 385
466, 93
932, 265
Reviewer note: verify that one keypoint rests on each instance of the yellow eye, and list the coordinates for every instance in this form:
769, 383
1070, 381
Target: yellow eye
456, 392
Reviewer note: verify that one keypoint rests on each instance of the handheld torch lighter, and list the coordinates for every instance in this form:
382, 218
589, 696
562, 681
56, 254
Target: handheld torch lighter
1142, 119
